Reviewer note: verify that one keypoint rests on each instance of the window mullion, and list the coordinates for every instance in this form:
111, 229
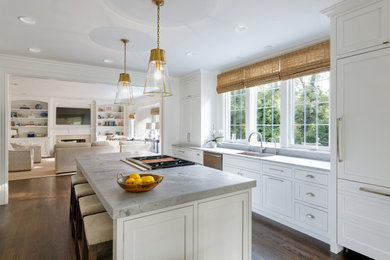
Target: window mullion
284, 113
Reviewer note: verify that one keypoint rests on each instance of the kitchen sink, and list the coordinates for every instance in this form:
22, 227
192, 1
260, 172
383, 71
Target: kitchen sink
255, 154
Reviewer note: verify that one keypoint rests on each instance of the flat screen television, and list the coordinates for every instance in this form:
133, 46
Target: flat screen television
73, 116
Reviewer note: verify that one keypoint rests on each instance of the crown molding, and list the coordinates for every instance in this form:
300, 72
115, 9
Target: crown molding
52, 69
346, 5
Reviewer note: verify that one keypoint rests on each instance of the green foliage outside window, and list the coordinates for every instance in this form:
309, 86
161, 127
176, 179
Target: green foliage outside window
237, 114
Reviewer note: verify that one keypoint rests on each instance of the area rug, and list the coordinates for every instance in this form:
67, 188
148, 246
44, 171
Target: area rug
46, 168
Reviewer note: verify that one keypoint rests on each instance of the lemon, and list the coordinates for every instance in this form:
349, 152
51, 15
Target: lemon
138, 181
135, 176
148, 179
130, 181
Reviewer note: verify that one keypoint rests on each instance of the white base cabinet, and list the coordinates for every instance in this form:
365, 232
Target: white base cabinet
294, 196
210, 229
189, 154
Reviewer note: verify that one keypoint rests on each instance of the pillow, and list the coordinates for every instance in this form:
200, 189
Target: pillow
100, 143
18, 145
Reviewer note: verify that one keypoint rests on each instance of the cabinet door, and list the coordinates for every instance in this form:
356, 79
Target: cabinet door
163, 236
363, 91
224, 229
363, 28
256, 191
186, 121
277, 195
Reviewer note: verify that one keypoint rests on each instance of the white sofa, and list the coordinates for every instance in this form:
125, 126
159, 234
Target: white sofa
65, 153
21, 159
37, 150
129, 146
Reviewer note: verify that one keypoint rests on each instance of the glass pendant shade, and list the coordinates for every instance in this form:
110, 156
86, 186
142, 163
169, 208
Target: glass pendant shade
124, 93
157, 76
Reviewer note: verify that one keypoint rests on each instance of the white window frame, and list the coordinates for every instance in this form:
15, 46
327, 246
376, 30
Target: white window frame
286, 119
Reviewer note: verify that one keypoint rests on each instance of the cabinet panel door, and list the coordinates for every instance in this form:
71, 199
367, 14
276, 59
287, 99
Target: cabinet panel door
363, 91
256, 191
224, 229
163, 236
277, 195
363, 28
186, 122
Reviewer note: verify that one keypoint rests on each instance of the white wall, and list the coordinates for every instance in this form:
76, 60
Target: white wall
209, 105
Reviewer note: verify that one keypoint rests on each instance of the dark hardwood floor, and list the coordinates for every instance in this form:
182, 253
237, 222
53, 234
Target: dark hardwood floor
35, 226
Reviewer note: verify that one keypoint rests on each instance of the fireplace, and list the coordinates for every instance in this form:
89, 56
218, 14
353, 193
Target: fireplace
73, 138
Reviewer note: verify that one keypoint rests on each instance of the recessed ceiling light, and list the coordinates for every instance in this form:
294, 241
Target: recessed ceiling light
26, 19
108, 61
34, 50
241, 28
190, 53
267, 47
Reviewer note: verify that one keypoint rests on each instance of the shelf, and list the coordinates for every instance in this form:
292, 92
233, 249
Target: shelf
111, 119
28, 126
33, 110
109, 112
43, 137
109, 126
34, 118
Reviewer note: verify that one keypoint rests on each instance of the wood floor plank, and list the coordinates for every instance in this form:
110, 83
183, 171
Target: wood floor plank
35, 226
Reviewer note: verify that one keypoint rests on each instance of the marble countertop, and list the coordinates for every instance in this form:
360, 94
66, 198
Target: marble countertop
180, 185
295, 161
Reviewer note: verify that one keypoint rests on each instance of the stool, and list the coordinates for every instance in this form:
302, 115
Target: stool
80, 190
88, 205
76, 179
97, 236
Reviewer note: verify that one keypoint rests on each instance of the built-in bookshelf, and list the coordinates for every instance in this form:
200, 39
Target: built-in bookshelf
29, 119
110, 119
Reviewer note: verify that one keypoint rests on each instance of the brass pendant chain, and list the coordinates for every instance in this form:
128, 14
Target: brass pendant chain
125, 57
158, 25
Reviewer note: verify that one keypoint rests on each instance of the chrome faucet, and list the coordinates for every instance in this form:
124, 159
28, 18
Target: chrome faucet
261, 140
273, 139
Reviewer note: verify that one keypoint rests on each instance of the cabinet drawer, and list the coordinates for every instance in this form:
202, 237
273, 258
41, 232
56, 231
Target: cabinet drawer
309, 176
277, 195
277, 170
181, 153
363, 218
197, 156
311, 217
246, 163
310, 194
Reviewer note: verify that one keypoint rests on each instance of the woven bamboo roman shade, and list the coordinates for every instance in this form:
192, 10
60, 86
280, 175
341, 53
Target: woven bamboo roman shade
262, 73
306, 61
231, 80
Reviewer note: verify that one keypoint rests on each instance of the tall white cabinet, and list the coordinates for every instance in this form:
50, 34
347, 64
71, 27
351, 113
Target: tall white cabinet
360, 38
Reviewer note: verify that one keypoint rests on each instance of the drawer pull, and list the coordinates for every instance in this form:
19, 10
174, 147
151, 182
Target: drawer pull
374, 192
276, 179
278, 170
180, 151
386, 42
213, 155
310, 194
310, 216
310, 176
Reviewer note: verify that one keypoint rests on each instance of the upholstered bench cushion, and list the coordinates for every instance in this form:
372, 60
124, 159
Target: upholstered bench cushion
90, 205
98, 228
81, 190
78, 179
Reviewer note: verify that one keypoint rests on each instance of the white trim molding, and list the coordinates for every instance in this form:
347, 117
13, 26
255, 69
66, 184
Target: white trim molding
3, 138
344, 6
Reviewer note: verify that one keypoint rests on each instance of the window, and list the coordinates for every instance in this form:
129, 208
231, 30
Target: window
292, 113
311, 110
237, 114
268, 111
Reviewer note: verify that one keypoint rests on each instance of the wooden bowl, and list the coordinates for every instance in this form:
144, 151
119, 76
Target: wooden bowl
121, 180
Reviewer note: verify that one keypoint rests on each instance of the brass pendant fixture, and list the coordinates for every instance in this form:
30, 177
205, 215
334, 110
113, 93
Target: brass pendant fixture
157, 77
124, 93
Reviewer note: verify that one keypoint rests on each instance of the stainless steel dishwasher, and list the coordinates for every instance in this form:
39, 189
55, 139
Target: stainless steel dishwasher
212, 160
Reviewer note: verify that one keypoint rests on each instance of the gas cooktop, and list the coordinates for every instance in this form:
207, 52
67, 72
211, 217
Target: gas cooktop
157, 162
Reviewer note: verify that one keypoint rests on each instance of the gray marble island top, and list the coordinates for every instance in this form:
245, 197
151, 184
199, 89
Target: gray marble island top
180, 185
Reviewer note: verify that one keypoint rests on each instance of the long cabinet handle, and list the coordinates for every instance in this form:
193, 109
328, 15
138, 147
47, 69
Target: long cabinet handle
339, 141
276, 179
310, 176
374, 192
278, 170
311, 194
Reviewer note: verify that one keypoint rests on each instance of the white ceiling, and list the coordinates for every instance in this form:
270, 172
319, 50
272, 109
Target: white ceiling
89, 31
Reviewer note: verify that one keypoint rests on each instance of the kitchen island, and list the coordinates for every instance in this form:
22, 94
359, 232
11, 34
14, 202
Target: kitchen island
195, 213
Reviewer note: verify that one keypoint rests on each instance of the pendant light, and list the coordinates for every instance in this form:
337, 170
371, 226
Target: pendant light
157, 77
124, 93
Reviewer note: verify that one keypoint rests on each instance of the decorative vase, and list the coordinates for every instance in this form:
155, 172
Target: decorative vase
213, 144
38, 106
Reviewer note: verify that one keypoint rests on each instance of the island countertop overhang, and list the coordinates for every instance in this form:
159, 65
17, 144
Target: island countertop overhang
181, 184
